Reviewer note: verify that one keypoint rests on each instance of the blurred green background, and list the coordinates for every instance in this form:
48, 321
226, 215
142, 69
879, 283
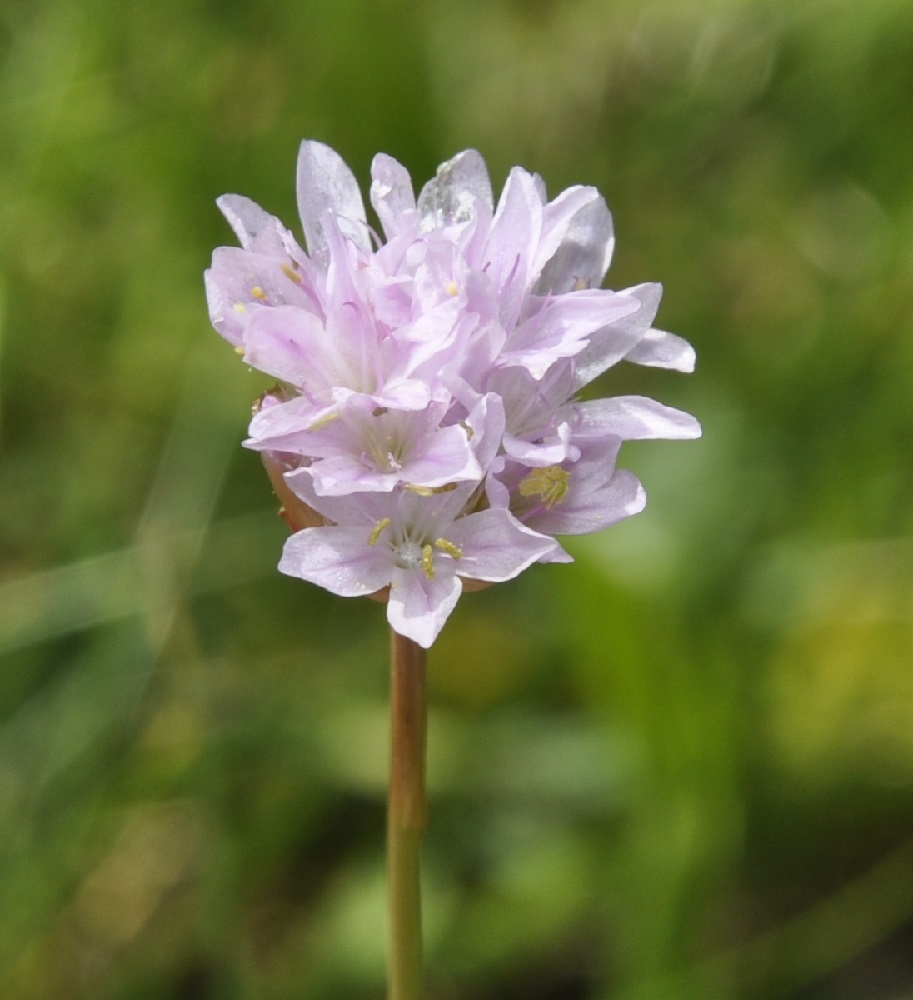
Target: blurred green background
681, 769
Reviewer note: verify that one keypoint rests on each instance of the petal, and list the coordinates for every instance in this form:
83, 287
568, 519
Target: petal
445, 456
658, 349
547, 446
392, 195
343, 474
246, 279
451, 196
290, 344
437, 459
222, 313
354, 510
561, 327
585, 251
326, 184
610, 344
497, 493
285, 426
255, 228
496, 546
560, 555
633, 418
486, 426
514, 234
418, 607
597, 498
338, 559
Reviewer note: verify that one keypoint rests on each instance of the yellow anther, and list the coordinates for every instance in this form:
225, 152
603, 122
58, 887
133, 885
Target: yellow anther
291, 275
240, 350
258, 293
429, 491
377, 530
451, 287
449, 548
428, 561
550, 484
321, 422
580, 285
239, 307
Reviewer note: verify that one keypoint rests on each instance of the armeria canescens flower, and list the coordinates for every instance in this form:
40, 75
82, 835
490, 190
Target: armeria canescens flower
426, 424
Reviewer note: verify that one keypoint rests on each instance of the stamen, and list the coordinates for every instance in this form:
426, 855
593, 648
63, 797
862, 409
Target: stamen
429, 491
258, 293
240, 349
449, 548
239, 307
290, 274
428, 561
451, 288
549, 483
377, 530
327, 418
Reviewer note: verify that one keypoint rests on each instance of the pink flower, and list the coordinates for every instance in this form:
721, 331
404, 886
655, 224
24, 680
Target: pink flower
427, 414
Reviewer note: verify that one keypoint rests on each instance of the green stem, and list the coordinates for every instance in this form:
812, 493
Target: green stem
406, 817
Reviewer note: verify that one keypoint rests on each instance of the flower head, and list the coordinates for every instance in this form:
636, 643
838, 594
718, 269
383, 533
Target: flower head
426, 418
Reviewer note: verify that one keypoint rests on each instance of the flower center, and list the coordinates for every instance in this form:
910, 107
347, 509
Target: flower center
410, 553
383, 451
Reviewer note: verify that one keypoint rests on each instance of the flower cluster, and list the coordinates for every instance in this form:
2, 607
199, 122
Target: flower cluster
426, 432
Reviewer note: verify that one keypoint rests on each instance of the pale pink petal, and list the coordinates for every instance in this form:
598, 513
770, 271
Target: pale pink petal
255, 228
514, 235
496, 546
599, 503
338, 559
564, 325
633, 418
418, 606
615, 341
290, 344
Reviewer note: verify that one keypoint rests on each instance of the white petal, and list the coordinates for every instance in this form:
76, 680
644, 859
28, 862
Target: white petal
325, 184
451, 195
633, 418
605, 346
658, 349
391, 194
255, 228
585, 251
